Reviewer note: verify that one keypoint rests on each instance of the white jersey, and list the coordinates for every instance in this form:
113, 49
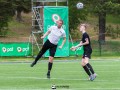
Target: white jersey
55, 34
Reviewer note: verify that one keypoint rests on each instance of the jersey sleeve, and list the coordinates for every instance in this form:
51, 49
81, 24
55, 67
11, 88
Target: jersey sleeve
85, 36
64, 34
50, 29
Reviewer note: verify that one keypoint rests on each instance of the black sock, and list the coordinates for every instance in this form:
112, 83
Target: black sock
87, 70
90, 68
49, 67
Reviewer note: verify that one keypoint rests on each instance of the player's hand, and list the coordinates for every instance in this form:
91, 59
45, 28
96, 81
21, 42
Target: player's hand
60, 47
73, 48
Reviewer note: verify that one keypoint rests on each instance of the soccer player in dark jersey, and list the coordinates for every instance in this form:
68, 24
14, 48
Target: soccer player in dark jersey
85, 42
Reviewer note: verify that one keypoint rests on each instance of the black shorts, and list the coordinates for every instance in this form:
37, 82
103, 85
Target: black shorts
52, 48
87, 54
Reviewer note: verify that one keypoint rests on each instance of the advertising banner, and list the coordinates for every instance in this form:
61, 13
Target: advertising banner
15, 49
51, 15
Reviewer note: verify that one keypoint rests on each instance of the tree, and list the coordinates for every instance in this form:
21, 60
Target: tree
102, 8
6, 13
21, 6
75, 15
99, 7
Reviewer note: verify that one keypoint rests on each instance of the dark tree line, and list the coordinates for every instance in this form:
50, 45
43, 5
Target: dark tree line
10, 8
100, 8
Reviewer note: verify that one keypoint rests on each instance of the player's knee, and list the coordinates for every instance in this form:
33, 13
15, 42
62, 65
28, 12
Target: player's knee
51, 59
85, 61
82, 64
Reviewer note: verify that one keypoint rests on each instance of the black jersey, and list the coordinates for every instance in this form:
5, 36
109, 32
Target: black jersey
88, 46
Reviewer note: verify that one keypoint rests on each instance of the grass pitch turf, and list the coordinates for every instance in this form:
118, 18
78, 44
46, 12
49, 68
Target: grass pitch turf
65, 75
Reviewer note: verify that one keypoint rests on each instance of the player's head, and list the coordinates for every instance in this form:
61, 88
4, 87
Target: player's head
82, 27
59, 23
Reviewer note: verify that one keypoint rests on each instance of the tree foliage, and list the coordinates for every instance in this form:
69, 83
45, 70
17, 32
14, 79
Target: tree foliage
100, 8
76, 15
6, 12
21, 6
8, 9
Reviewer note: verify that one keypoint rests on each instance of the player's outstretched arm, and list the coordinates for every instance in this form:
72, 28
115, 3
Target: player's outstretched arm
73, 48
80, 44
63, 42
42, 37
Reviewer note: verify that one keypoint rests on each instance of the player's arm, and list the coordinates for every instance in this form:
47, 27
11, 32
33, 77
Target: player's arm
86, 42
81, 43
73, 48
63, 42
46, 34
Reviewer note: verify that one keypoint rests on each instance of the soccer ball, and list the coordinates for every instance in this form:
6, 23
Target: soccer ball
79, 5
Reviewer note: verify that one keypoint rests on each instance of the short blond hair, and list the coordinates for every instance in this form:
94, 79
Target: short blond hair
84, 24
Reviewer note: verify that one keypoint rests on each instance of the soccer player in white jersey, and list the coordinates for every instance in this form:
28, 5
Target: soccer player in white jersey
54, 34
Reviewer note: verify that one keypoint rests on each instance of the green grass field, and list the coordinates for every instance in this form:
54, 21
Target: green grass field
66, 75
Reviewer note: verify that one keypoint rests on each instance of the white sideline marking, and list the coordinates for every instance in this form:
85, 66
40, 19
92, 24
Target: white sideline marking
76, 79
70, 89
96, 88
62, 61
46, 78
55, 79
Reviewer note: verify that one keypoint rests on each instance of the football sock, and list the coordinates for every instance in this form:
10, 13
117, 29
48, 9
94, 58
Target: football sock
86, 70
49, 67
90, 68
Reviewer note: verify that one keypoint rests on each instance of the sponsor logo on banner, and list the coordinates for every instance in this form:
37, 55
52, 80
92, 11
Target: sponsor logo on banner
20, 49
4, 49
55, 17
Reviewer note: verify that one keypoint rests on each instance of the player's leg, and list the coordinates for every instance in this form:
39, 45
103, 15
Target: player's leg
87, 57
50, 63
92, 75
84, 66
42, 51
89, 65
51, 57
